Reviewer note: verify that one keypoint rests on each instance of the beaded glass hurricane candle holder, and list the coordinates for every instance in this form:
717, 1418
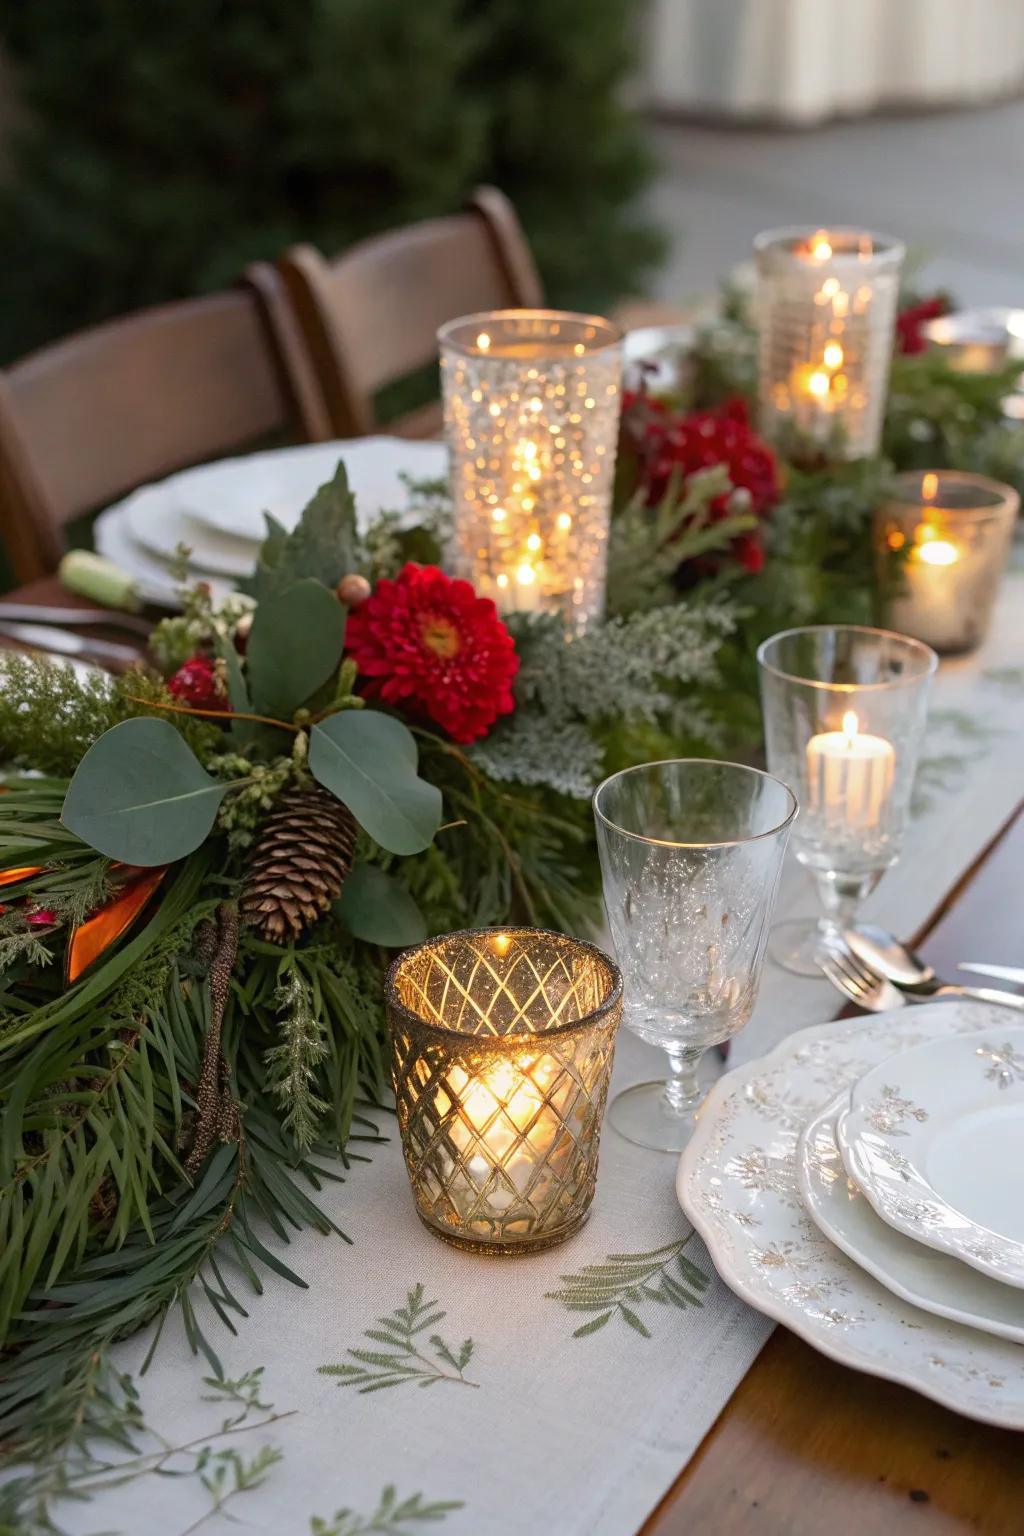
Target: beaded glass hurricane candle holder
502, 1044
531, 402
826, 310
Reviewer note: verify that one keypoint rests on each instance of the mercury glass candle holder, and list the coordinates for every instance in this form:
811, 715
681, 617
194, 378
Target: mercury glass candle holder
531, 403
942, 539
502, 1043
826, 310
844, 711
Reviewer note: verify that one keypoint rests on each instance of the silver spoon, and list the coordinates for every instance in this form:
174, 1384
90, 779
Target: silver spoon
886, 955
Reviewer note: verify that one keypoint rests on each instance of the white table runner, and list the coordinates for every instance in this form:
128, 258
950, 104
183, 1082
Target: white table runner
547, 1431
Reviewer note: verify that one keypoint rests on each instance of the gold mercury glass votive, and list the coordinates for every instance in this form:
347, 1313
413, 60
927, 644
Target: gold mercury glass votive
942, 539
531, 404
826, 311
502, 1044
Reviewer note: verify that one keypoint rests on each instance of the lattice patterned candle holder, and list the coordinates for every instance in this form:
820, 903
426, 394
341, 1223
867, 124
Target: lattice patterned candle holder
531, 401
502, 1043
826, 310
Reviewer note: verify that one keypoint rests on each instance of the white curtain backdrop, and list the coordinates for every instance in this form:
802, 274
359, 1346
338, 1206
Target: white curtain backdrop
805, 60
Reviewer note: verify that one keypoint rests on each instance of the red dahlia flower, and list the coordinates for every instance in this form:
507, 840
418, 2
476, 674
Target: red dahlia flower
427, 642
667, 444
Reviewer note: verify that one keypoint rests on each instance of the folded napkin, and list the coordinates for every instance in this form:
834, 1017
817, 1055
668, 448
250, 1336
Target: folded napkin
100, 580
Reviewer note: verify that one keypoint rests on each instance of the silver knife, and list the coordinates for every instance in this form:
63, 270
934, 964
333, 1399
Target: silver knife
44, 637
1002, 972
32, 613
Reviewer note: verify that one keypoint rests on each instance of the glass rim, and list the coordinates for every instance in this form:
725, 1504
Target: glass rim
707, 762
885, 249
394, 1004
928, 656
1005, 498
611, 334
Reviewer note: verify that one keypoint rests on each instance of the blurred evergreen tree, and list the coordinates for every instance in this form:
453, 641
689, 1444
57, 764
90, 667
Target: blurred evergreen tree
167, 143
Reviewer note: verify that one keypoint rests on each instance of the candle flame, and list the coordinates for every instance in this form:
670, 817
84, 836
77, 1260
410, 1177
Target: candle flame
483, 341
818, 383
525, 574
850, 726
929, 486
501, 942
821, 246
938, 552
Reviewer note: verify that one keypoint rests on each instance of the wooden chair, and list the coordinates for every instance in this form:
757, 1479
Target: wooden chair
85, 420
370, 316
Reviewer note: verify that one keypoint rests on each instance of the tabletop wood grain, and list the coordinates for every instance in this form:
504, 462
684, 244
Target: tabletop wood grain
806, 1446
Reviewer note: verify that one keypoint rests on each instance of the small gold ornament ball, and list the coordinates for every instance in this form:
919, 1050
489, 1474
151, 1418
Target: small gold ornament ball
353, 589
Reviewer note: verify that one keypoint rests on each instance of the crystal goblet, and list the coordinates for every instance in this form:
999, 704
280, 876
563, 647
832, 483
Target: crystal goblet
691, 852
844, 710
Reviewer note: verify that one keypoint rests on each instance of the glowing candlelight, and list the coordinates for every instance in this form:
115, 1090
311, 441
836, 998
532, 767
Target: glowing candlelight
942, 541
849, 776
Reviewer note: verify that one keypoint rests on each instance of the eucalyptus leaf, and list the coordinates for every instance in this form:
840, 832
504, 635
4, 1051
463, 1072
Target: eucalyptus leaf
295, 645
369, 761
377, 907
141, 795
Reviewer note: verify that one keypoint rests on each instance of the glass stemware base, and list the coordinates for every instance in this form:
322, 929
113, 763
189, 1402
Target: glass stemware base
797, 946
661, 1115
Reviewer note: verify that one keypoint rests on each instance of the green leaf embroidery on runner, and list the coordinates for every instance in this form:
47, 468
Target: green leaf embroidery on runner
625, 1282
390, 1518
402, 1359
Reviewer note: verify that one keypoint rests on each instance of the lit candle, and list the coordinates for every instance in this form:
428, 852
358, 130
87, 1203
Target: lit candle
942, 541
849, 776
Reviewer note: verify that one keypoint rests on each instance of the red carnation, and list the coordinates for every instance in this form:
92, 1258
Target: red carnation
197, 684
910, 323
667, 444
428, 642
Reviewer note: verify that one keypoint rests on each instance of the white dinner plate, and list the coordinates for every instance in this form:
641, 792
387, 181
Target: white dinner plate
232, 495
935, 1139
935, 1281
157, 522
738, 1184
113, 539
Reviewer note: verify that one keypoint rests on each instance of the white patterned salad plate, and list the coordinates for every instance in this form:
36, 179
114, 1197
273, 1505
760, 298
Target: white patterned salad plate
935, 1281
935, 1139
738, 1183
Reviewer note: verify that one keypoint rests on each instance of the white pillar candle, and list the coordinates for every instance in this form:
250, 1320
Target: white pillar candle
849, 775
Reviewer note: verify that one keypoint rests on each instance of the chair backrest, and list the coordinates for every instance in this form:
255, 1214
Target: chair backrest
87, 419
370, 317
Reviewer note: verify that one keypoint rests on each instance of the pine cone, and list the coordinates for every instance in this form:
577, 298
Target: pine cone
298, 866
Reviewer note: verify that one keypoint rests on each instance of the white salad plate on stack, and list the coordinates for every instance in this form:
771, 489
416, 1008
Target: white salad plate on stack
764, 1182
935, 1140
217, 510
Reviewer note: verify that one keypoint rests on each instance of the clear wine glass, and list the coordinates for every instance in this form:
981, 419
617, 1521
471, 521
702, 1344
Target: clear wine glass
691, 852
844, 711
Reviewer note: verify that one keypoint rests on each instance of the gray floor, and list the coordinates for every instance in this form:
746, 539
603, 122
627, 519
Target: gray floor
950, 184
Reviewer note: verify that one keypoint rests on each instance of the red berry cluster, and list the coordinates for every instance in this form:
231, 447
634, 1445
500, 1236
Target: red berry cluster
910, 322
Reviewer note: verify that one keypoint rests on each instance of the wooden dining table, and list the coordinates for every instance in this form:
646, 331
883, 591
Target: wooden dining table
806, 1446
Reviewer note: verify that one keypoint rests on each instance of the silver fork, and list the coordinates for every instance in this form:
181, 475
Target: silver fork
858, 982
866, 987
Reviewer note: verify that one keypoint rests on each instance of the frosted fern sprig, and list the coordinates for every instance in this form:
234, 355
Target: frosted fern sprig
292, 1065
530, 749
400, 1359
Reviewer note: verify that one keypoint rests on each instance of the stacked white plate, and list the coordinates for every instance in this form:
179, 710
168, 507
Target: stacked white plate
217, 511
864, 1184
